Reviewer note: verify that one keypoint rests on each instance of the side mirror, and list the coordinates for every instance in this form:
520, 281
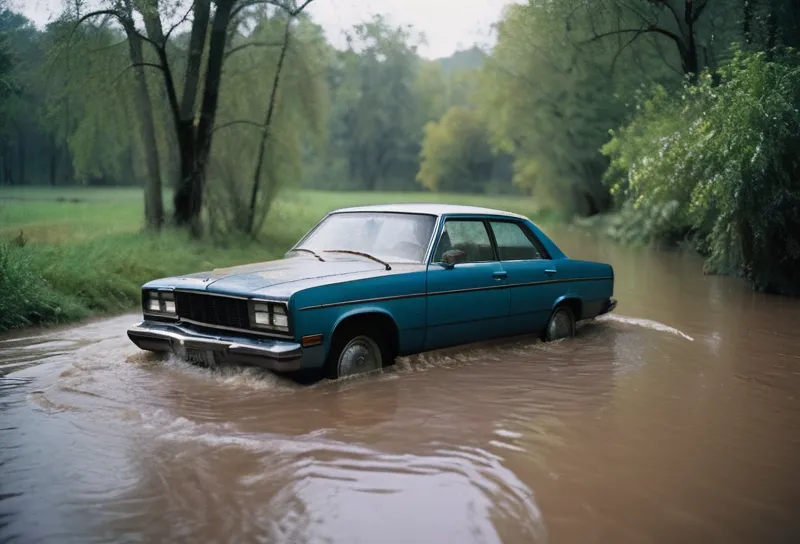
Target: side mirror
453, 257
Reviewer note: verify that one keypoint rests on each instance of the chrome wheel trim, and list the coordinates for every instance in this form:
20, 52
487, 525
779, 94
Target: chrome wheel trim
560, 325
361, 354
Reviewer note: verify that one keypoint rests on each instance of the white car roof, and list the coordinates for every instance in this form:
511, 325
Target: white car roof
430, 209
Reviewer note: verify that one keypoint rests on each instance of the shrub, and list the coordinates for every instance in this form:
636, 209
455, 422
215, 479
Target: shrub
25, 297
718, 164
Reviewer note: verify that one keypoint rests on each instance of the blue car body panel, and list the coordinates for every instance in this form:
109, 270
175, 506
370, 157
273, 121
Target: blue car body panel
429, 305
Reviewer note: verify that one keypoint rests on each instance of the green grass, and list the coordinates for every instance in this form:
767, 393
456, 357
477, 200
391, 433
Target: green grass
83, 252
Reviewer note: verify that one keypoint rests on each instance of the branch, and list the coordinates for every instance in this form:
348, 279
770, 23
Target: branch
639, 31
136, 65
674, 11
251, 44
105, 47
698, 11
176, 25
663, 57
238, 122
299, 10
277, 3
620, 50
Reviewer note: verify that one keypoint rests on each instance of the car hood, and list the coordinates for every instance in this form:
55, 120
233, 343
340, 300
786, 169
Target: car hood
247, 279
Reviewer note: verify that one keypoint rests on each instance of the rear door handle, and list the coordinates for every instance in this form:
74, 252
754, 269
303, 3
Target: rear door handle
500, 275
549, 271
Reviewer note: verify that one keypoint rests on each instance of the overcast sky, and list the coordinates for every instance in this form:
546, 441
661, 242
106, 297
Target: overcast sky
448, 25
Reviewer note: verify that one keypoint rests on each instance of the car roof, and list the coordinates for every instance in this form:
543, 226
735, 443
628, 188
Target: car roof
430, 209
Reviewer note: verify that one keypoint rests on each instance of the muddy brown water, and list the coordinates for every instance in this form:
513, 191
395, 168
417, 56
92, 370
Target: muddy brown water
677, 419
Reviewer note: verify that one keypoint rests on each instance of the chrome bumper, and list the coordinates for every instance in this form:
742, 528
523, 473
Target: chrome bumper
279, 355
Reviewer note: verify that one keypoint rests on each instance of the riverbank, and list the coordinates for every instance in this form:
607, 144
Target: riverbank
67, 254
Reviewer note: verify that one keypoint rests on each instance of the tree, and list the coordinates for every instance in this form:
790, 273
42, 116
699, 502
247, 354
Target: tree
717, 165
550, 106
272, 150
375, 99
123, 12
193, 127
456, 155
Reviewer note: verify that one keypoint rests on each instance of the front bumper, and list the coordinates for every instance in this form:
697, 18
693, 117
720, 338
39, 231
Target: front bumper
278, 355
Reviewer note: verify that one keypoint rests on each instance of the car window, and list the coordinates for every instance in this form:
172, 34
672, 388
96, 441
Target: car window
392, 236
469, 236
512, 242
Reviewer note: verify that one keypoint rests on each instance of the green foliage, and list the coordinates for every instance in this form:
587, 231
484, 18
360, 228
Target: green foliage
456, 155
550, 105
25, 297
301, 111
718, 163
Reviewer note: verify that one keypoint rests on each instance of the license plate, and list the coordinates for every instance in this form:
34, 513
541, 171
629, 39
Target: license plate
200, 357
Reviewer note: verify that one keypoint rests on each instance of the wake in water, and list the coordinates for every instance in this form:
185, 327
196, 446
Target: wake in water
646, 323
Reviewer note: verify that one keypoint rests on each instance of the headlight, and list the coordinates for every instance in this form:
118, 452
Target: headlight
160, 301
270, 315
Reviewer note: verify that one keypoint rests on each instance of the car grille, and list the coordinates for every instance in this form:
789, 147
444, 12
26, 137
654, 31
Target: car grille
213, 310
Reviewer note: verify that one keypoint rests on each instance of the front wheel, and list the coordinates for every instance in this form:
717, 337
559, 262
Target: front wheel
356, 351
561, 324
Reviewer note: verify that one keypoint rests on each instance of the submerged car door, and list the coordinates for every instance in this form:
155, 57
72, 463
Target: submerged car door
532, 275
466, 301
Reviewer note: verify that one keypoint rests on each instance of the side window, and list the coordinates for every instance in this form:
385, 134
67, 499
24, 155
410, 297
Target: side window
513, 244
469, 236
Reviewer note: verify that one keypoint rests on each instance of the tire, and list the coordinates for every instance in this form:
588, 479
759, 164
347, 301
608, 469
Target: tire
560, 325
356, 345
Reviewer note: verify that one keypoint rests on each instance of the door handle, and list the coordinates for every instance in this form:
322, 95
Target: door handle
500, 275
549, 271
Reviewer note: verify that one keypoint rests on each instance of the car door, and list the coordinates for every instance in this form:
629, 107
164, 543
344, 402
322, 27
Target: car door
467, 301
532, 275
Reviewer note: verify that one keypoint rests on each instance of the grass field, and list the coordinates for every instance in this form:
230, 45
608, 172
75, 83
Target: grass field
85, 253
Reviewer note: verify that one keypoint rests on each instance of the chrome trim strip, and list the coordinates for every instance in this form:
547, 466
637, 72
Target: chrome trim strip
291, 351
173, 317
195, 292
248, 331
453, 292
432, 242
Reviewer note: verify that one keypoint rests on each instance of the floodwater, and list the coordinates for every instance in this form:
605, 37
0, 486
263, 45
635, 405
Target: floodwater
677, 419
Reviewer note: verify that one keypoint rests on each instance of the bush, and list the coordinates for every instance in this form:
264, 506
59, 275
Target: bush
718, 165
25, 297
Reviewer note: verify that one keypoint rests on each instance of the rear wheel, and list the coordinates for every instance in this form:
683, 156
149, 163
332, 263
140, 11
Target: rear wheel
561, 324
356, 350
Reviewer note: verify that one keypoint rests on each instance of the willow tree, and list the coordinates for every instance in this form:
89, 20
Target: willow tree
193, 97
282, 87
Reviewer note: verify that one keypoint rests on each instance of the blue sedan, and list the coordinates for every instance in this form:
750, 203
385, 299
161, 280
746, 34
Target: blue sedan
369, 284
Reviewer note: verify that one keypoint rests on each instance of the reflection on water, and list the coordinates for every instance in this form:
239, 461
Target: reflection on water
674, 420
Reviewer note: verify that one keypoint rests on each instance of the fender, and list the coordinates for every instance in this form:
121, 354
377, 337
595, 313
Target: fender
353, 312
567, 298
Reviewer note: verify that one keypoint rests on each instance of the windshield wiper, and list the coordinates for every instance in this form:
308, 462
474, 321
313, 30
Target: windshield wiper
367, 255
309, 251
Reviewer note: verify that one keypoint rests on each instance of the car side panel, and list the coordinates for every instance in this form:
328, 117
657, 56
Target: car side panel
533, 293
318, 310
591, 282
466, 303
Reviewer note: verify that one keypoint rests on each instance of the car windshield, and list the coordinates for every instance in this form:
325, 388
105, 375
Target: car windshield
394, 237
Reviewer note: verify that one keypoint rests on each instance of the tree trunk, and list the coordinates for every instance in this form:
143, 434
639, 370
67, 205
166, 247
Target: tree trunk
53, 160
21, 155
747, 21
265, 129
195, 151
153, 203
689, 58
